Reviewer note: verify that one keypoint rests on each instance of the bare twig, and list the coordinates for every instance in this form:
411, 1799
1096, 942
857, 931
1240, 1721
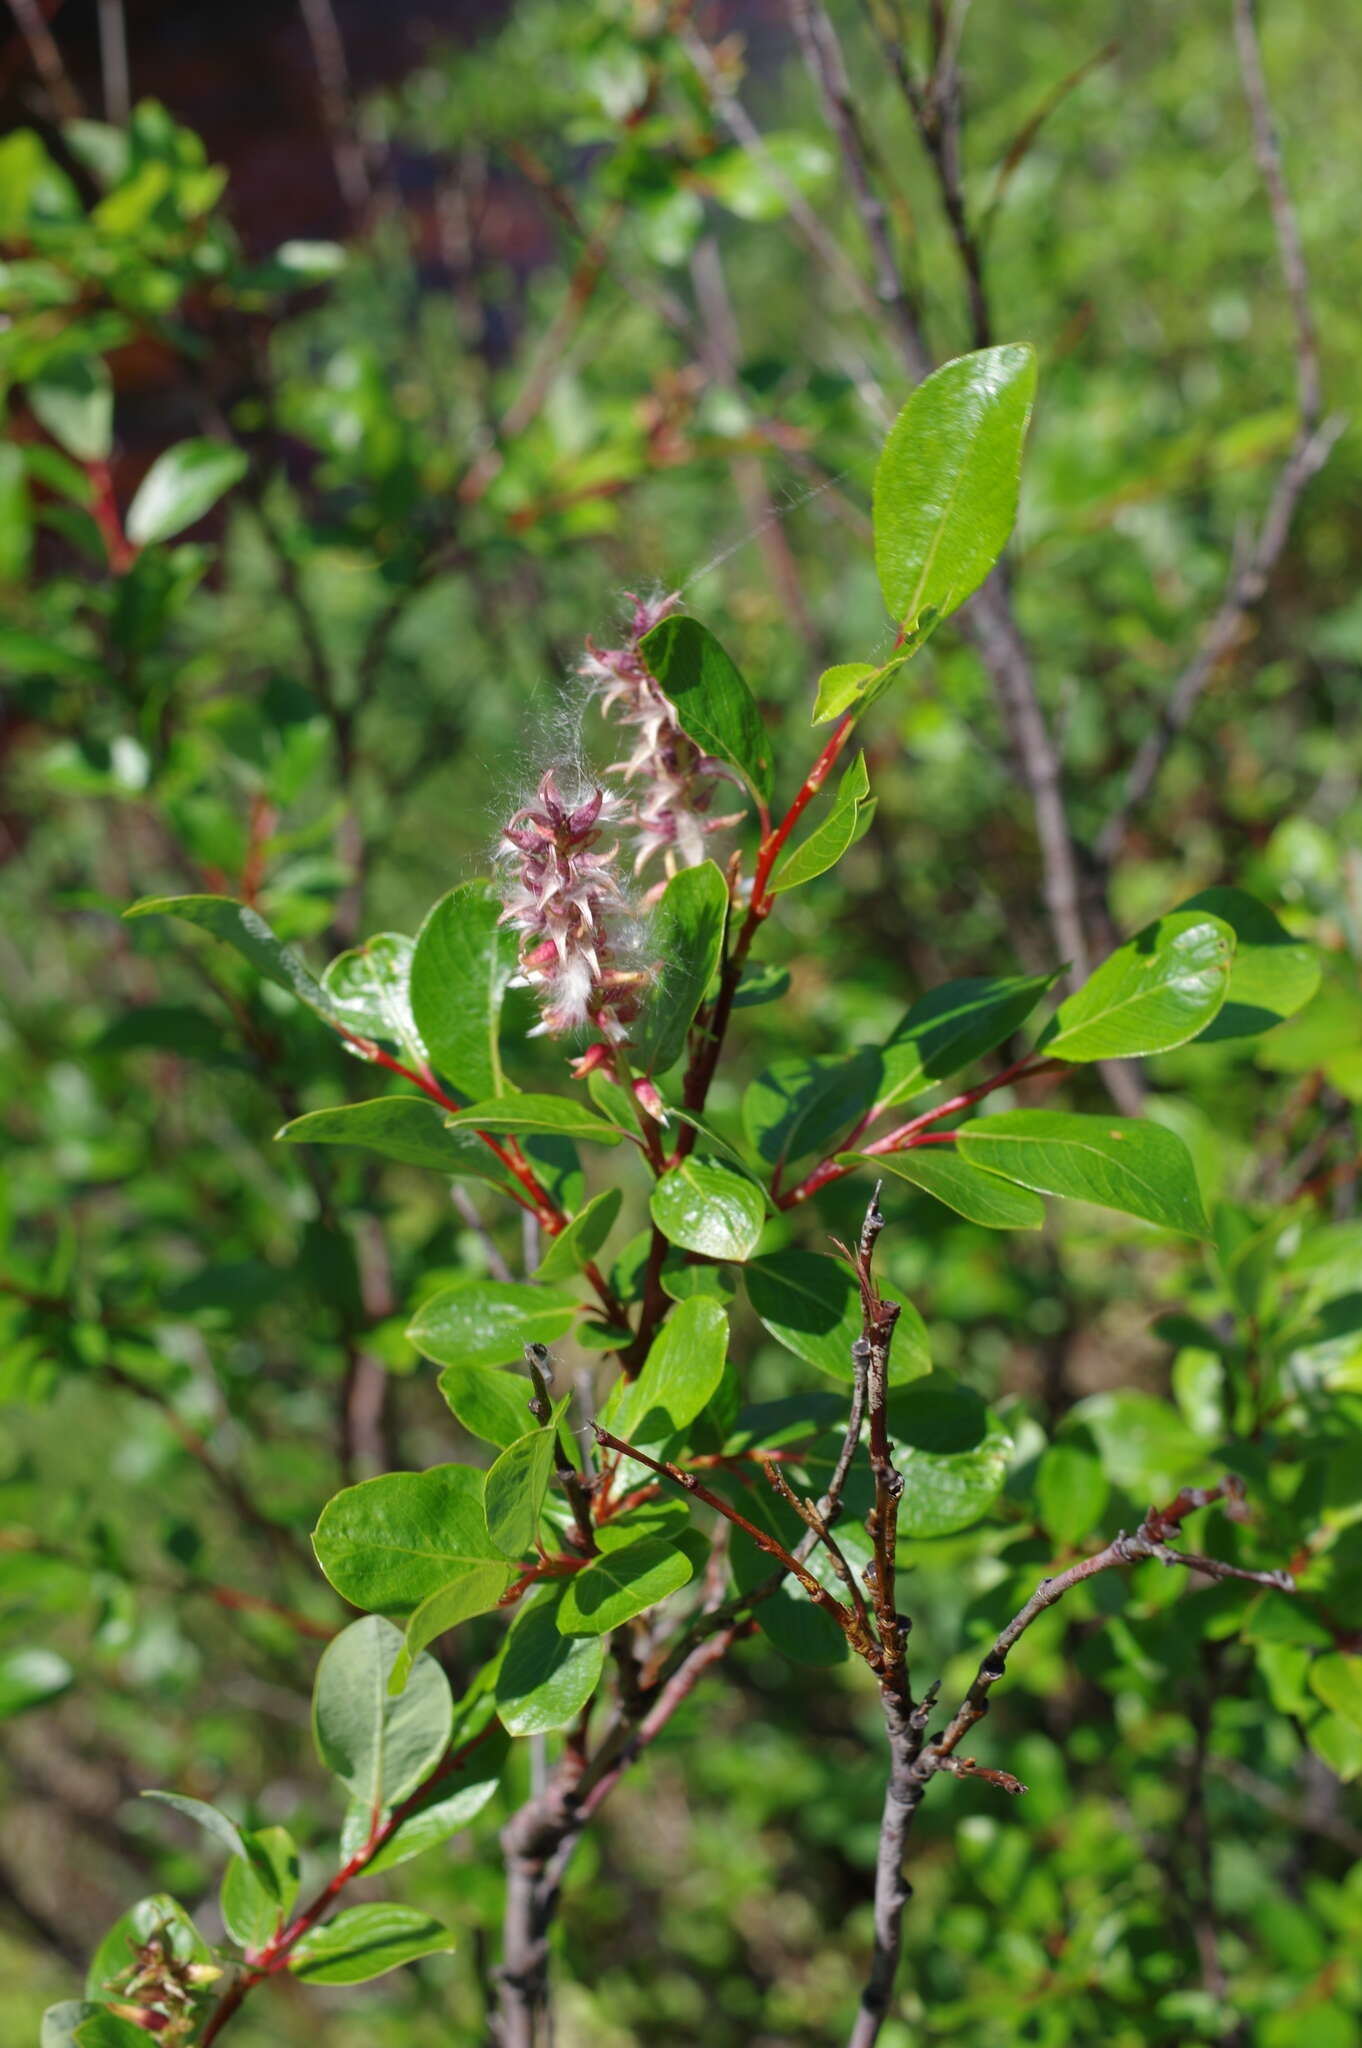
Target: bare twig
113, 62
333, 79
47, 58
1308, 453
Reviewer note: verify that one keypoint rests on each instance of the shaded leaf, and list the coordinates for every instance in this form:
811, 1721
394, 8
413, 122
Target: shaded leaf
439, 1810
578, 1245
954, 1025
712, 702
491, 1405
620, 1584
380, 1747
408, 1128
514, 1490
1273, 974
476, 1591
822, 848
686, 935
811, 1304
367, 1941
545, 1678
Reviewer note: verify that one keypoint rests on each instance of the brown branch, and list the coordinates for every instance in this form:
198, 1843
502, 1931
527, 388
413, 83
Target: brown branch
1307, 455
333, 78
47, 58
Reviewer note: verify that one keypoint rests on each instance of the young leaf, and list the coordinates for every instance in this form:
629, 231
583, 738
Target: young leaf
620, 1584
545, 1678
253, 1909
180, 487
576, 1246
1118, 1162
380, 1747
829, 840
491, 1405
712, 702
461, 965
489, 1322
704, 1206
370, 988
684, 1366
390, 1542
477, 1591
448, 1803
240, 926
983, 1197
1155, 992
554, 1113
409, 1128
952, 1026
686, 934
1273, 974
947, 481
159, 1914
811, 1305
514, 1490
367, 1941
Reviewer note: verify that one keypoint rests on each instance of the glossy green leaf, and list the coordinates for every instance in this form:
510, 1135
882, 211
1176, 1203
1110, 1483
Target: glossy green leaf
236, 924
545, 1677
514, 1490
408, 1128
553, 1113
476, 1591
811, 1304
367, 1941
461, 965
704, 1206
73, 399
712, 702
952, 1026
829, 840
489, 1322
1117, 1162
578, 1245
684, 1366
947, 482
983, 1197
440, 1809
491, 1405
620, 1584
181, 486
390, 1542
1071, 1492
381, 1747
370, 989
1157, 991
1273, 974
802, 1105
685, 934
253, 1904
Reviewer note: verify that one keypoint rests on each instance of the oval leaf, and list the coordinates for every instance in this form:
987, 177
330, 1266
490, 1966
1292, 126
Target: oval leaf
983, 1197
476, 1592
460, 968
408, 1128
367, 1941
555, 1113
812, 1305
180, 487
492, 1405
489, 1322
680, 1374
545, 1677
514, 1490
1117, 1162
390, 1542
380, 1747
1273, 974
1157, 991
687, 935
621, 1584
704, 1206
576, 1246
712, 702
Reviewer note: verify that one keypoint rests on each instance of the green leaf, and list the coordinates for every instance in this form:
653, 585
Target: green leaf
476, 1592
449, 1802
829, 840
224, 1831
685, 1364
181, 486
704, 1206
254, 1905
947, 482
620, 1584
390, 1542
1117, 1162
491, 1405
578, 1245
951, 1454
1071, 1492
712, 702
240, 926
158, 1914
686, 933
546, 1678
1337, 1680
801, 1105
983, 1197
513, 1492
109, 2030
489, 1322
459, 973
1273, 974
59, 2022
30, 1678
812, 1305
554, 1113
952, 1026
73, 399
369, 989
408, 1128
380, 1747
1155, 992
367, 1941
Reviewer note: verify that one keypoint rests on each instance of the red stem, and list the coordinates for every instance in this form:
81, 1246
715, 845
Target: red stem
118, 548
